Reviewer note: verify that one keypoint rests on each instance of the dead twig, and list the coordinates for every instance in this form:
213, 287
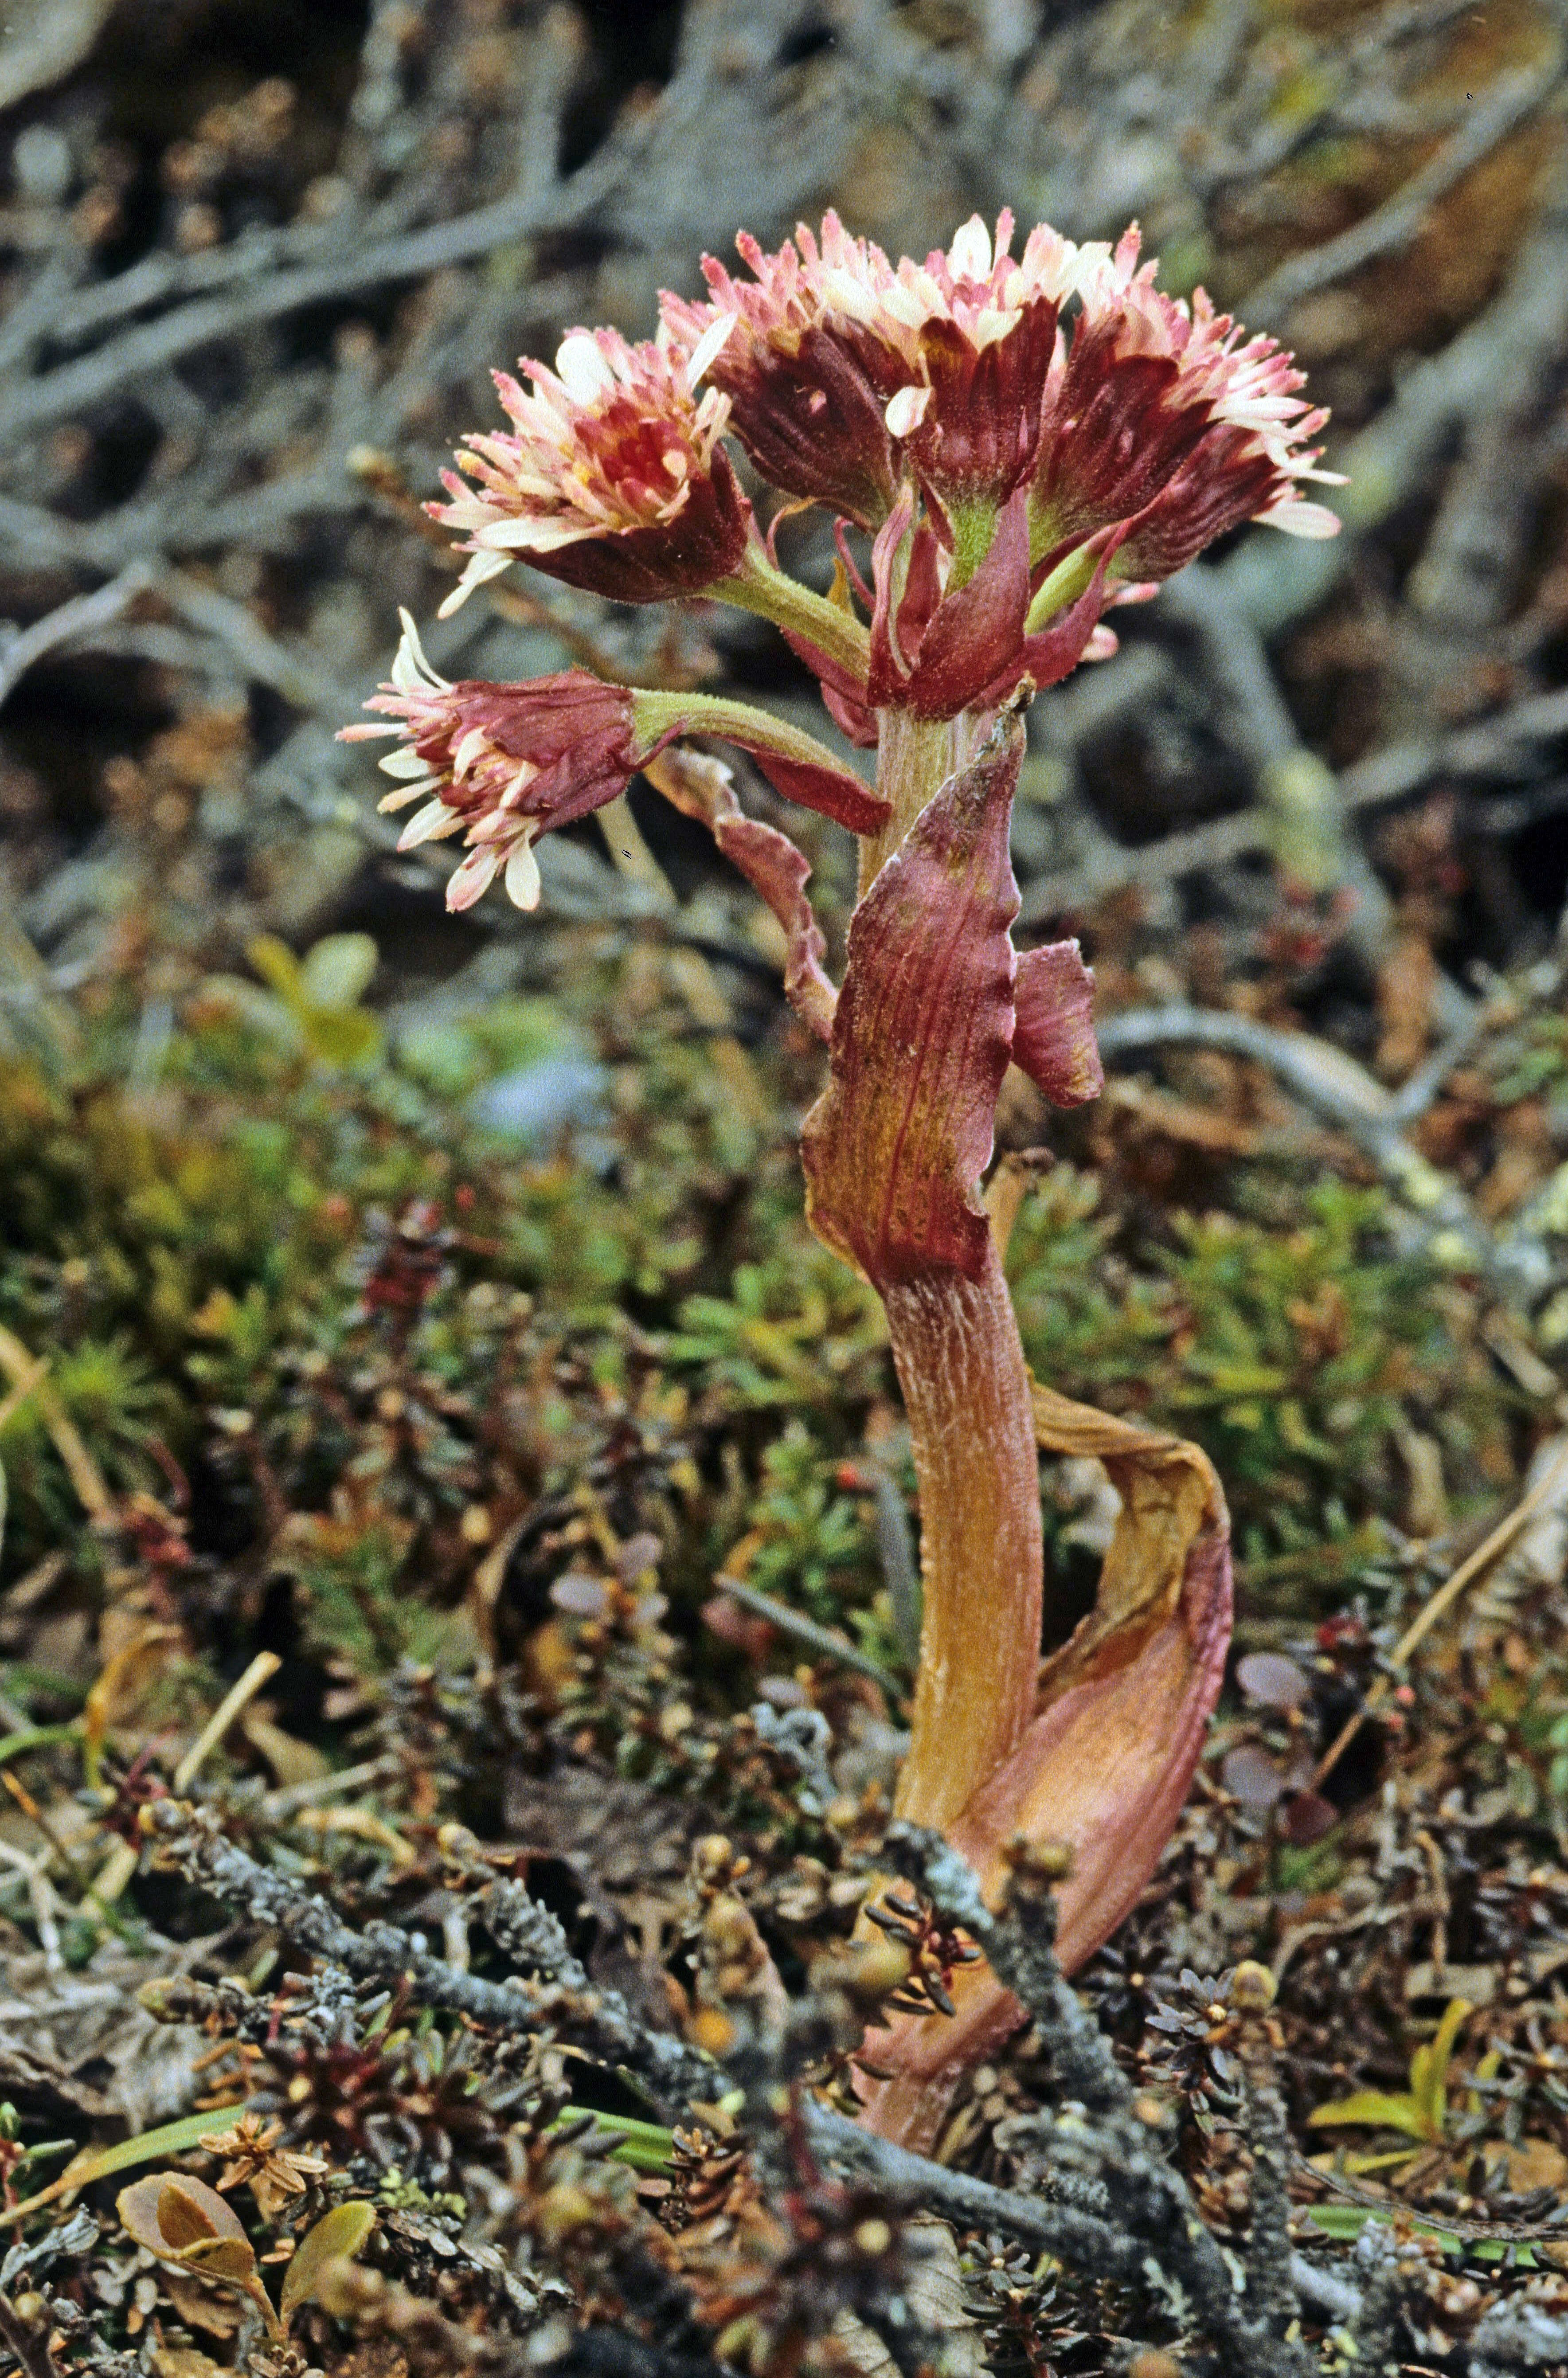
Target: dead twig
71, 621
824, 1640
1105, 2138
29, 2345
673, 2073
1511, 100
1515, 339
1342, 1093
153, 346
1490, 747
1550, 1478
264, 1666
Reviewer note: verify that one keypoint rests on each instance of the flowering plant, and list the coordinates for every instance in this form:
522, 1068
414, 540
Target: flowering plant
1026, 444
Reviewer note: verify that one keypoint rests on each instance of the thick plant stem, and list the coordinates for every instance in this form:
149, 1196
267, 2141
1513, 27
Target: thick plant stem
914, 756
966, 1391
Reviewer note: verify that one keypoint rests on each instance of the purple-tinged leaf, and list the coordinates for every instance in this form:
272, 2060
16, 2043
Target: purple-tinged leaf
1053, 1024
701, 787
1271, 1678
977, 634
833, 792
1105, 1765
895, 1147
1251, 1776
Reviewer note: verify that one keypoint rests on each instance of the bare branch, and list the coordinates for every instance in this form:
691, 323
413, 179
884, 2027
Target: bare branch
1512, 99
674, 2073
72, 620
1335, 1087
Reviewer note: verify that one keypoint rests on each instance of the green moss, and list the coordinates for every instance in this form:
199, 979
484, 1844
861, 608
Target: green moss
1290, 1343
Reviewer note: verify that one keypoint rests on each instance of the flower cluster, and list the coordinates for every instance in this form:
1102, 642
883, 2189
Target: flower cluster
1160, 420
1027, 442
844, 372
841, 365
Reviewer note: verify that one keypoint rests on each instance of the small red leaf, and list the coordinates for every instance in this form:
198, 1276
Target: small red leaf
978, 632
894, 1148
700, 787
833, 792
1307, 1819
1053, 1026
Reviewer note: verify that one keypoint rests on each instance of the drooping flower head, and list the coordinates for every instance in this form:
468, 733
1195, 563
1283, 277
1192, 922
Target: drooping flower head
612, 477
499, 764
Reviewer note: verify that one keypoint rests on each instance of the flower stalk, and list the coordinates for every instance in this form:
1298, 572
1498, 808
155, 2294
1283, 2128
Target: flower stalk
1012, 448
914, 757
966, 1387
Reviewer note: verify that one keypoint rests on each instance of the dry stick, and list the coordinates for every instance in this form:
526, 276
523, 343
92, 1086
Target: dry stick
672, 2073
1482, 1558
1151, 2201
278, 1806
77, 618
1518, 337
29, 2345
382, 475
265, 1665
260, 656
41, 1892
161, 277
72, 388
1384, 777
1342, 1093
1506, 105
1448, 2225
21, 1388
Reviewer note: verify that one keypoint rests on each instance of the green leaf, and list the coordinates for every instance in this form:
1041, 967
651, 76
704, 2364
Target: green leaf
342, 1036
233, 2259
176, 2217
1387, 2159
1349, 2220
337, 2238
1342, 2220
645, 2146
336, 971
191, 2214
1372, 2106
1429, 2066
174, 2138
276, 965
137, 2209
